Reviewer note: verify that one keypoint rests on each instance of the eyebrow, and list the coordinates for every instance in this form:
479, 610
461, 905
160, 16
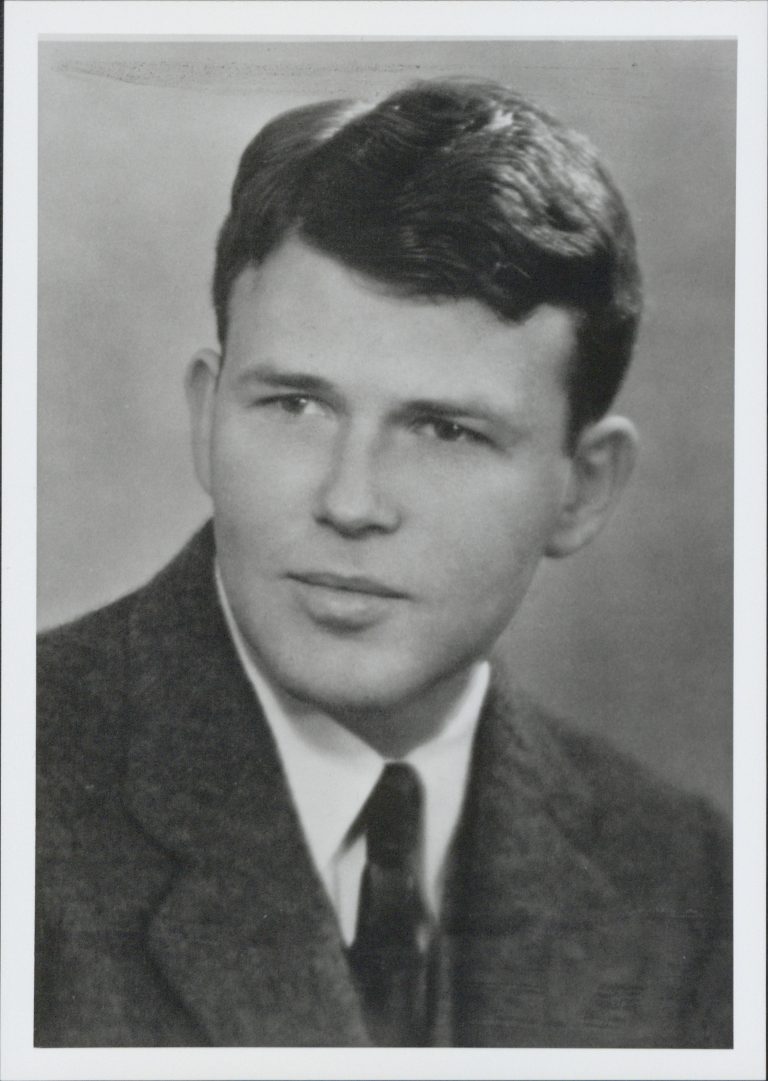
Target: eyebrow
474, 409
470, 409
274, 377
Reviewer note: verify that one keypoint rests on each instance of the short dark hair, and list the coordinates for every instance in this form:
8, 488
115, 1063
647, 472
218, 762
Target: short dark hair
450, 188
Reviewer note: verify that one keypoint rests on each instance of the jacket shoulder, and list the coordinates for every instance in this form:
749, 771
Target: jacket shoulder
88, 670
86, 659
82, 648
81, 689
651, 837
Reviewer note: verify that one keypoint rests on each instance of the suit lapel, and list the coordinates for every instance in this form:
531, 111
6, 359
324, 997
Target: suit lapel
527, 922
246, 935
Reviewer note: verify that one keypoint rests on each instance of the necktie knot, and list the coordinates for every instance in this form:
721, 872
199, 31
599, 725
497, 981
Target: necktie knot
392, 817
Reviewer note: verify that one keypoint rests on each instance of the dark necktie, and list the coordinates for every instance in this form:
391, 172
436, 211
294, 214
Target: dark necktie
389, 954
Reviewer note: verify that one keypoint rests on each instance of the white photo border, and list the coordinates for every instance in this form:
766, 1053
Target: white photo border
28, 20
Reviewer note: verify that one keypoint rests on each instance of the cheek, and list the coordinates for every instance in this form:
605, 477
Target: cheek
256, 494
490, 541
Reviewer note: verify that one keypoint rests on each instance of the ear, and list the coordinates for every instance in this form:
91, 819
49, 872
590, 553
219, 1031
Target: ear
201, 382
601, 466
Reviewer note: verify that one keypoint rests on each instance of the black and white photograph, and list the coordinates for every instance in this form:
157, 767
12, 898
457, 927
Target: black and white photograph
384, 526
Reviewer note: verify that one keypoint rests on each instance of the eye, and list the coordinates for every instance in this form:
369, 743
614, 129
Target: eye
296, 405
448, 431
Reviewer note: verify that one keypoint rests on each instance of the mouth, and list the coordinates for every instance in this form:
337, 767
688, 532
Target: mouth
345, 603
348, 584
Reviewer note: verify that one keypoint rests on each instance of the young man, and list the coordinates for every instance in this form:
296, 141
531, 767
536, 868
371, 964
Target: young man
284, 799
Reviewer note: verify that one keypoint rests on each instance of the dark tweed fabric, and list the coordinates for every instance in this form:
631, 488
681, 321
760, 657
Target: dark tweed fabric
587, 904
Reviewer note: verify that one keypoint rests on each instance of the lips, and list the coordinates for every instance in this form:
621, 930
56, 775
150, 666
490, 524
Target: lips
348, 583
345, 603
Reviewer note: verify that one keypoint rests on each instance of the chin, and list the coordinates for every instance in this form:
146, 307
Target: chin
349, 695
351, 687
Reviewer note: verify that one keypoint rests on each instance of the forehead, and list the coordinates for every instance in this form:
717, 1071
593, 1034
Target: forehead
301, 306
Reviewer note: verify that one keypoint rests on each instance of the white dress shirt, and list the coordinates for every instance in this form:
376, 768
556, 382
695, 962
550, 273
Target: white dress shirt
331, 773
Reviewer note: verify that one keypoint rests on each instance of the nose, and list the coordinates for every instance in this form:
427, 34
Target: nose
351, 498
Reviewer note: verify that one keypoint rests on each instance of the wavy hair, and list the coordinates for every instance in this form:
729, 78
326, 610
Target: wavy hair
450, 188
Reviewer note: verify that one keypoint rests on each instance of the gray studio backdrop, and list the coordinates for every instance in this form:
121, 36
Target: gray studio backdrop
139, 142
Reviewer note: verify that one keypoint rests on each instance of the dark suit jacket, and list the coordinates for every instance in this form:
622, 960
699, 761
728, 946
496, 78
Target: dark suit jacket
587, 905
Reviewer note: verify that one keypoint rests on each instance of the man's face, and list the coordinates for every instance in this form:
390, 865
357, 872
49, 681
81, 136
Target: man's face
386, 474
